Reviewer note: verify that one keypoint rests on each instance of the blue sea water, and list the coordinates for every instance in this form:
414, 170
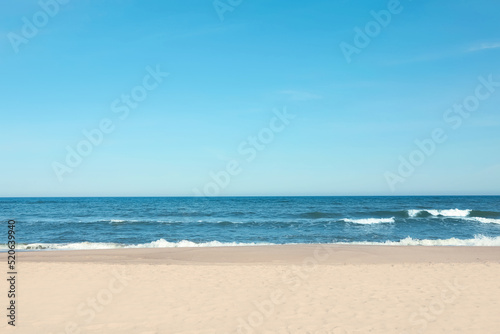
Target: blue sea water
93, 223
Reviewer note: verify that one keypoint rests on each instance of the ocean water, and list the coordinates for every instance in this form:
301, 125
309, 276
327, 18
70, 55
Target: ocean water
99, 223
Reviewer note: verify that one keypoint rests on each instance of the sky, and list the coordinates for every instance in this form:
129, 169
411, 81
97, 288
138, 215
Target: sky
251, 97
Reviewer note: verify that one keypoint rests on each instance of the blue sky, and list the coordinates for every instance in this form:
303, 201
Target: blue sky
227, 79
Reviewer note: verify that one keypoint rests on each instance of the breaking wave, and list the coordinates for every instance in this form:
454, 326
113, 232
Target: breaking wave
161, 243
484, 220
370, 221
479, 240
439, 213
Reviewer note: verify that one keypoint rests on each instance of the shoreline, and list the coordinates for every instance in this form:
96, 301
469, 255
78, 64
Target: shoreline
273, 254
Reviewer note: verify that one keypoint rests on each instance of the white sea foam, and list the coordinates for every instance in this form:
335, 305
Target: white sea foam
369, 221
413, 213
485, 220
479, 240
161, 243
68, 246
443, 213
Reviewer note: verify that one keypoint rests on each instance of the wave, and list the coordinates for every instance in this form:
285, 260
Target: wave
369, 221
485, 214
161, 243
486, 217
484, 220
479, 240
439, 213
412, 213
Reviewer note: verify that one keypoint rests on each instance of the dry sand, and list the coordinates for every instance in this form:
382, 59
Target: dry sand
312, 289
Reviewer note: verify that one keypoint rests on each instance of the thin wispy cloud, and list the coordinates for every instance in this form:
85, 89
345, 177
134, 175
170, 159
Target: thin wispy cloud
485, 46
446, 53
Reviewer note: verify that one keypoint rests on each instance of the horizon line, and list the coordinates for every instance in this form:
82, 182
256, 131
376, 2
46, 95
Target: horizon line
229, 196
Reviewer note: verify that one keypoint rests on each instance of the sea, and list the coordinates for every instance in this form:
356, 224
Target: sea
156, 222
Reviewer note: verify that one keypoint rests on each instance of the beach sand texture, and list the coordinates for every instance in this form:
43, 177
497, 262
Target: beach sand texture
314, 289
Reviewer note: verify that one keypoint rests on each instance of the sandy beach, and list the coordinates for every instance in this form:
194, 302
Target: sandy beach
268, 289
